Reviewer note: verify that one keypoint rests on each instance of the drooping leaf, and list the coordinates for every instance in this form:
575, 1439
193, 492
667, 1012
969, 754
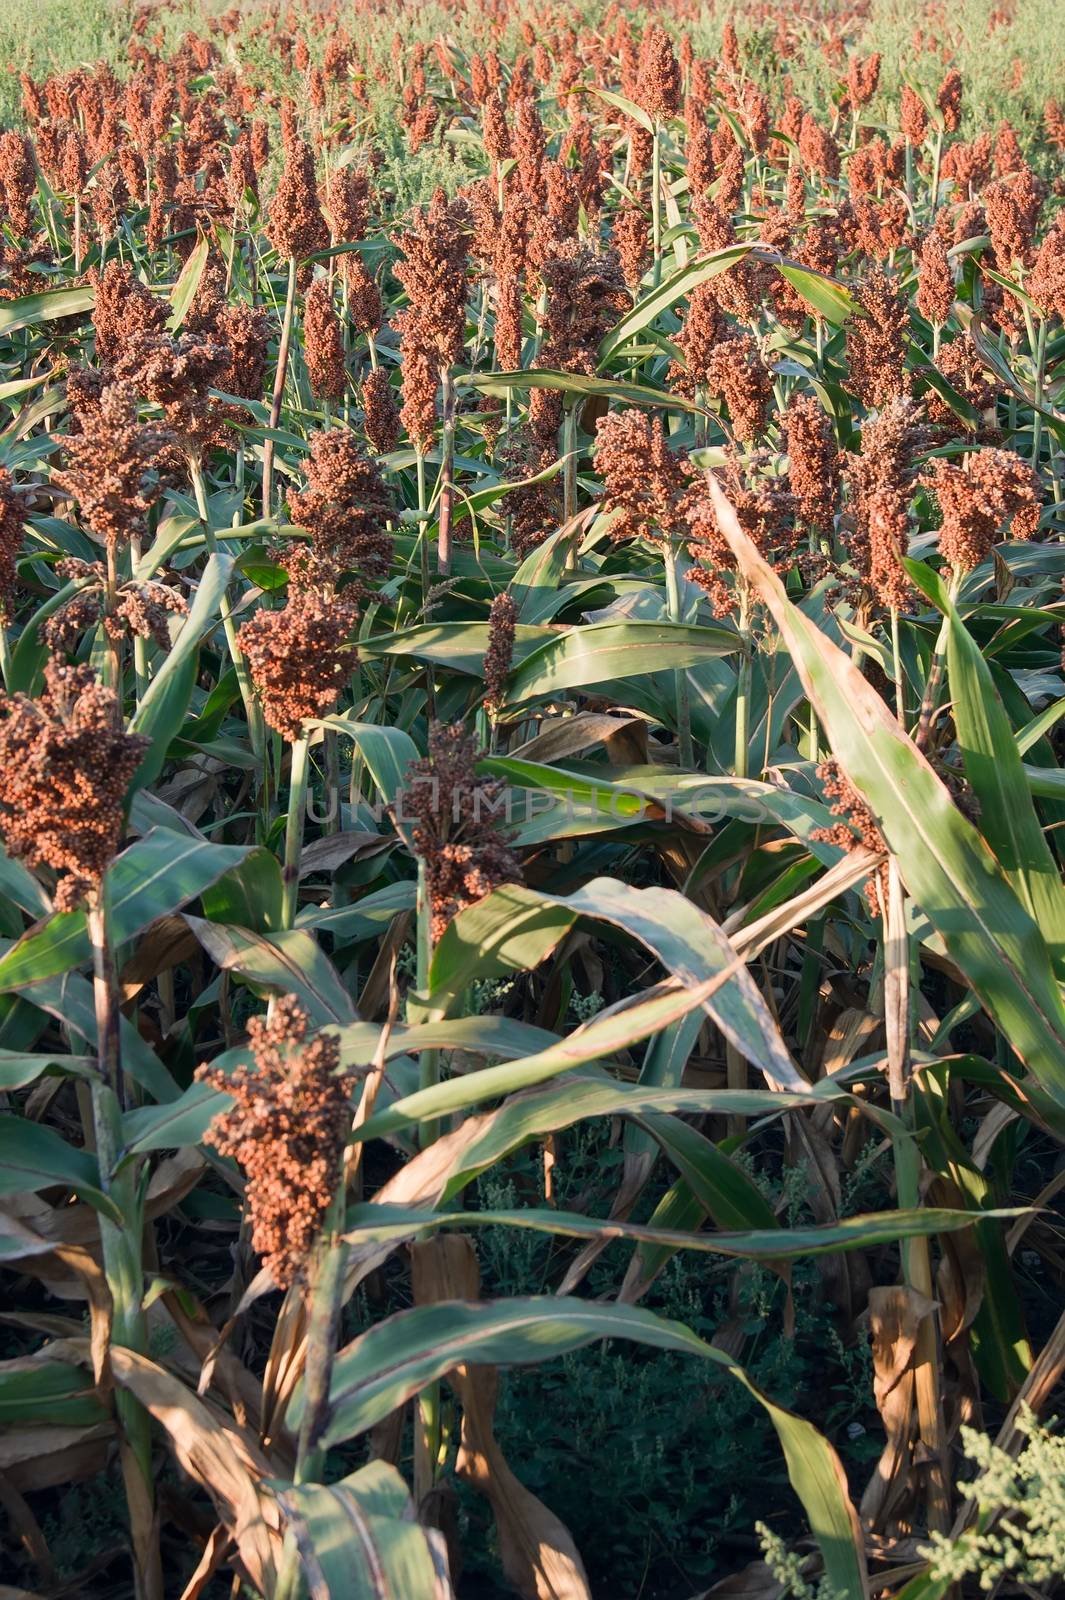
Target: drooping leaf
397, 1358
945, 864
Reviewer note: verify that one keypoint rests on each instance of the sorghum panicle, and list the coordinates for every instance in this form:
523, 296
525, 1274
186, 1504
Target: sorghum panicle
65, 766
287, 1128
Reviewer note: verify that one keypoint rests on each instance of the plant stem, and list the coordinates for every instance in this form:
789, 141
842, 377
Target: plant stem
297, 799
680, 676
656, 205
121, 1250
326, 1300
896, 656
140, 644
937, 157
429, 1060
1040, 371
916, 1261
279, 385
569, 470
114, 646
743, 688
443, 543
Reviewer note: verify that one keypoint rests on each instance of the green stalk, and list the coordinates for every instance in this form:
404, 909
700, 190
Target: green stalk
896, 656
121, 1249
279, 385
656, 203
1040, 374
937, 158
680, 676
916, 1259
930, 697
569, 470
444, 541
297, 799
429, 1060
140, 645
326, 1301
114, 646
743, 687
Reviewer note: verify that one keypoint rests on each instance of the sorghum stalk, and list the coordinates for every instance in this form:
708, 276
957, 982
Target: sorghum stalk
429, 1060
656, 204
569, 469
680, 676
427, 1420
279, 384
114, 646
326, 1296
896, 656
937, 157
916, 1261
1040, 374
743, 685
297, 799
935, 672
444, 541
140, 643
121, 1248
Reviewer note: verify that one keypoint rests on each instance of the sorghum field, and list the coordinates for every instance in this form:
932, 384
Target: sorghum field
531, 576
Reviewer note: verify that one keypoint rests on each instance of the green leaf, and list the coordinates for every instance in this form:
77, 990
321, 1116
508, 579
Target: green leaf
48, 306
1040, 725
26, 672
33, 1157
598, 1040
666, 294
17, 1070
541, 572
251, 894
395, 1360
461, 646
387, 752
154, 877
622, 103
993, 766
376, 1224
70, 1001
637, 394
165, 702
48, 1392
19, 884
366, 919
601, 652
822, 294
184, 291
286, 963
515, 925
359, 1539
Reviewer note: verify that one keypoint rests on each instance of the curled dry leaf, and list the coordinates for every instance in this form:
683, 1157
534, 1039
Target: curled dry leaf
215, 1454
894, 1317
